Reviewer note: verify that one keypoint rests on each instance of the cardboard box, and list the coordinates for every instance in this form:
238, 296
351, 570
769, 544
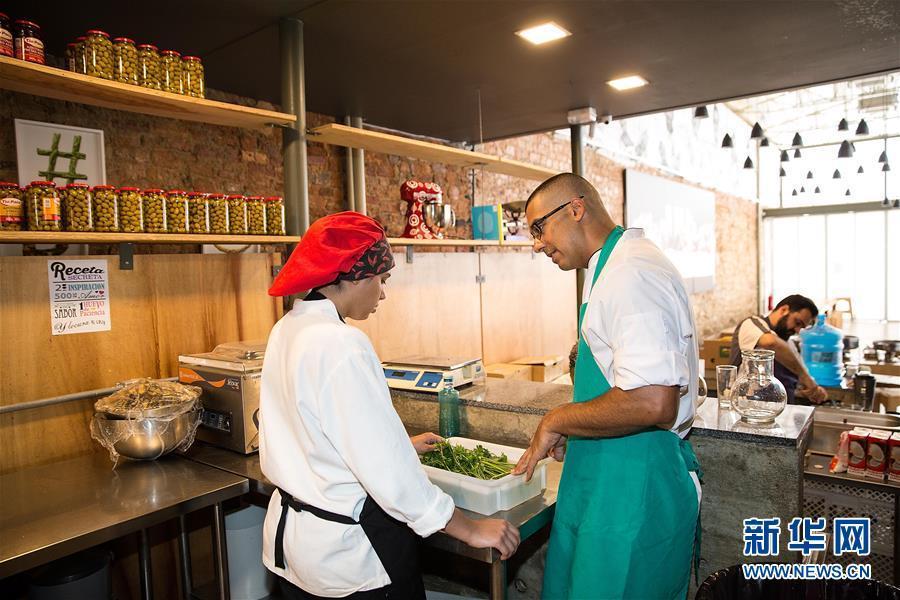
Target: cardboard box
716, 352
893, 471
859, 441
877, 454
509, 371
545, 368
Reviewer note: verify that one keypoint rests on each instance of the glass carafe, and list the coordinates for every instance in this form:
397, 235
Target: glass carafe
757, 396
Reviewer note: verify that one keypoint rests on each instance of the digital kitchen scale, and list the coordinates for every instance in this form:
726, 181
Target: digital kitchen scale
425, 373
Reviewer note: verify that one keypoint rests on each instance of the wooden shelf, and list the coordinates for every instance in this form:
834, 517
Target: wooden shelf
72, 237
40, 80
448, 243
353, 137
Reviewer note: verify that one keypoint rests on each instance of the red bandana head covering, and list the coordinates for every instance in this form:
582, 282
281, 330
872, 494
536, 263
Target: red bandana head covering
343, 246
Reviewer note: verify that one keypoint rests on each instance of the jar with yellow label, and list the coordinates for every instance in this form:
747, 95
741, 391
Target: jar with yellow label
12, 213
198, 212
154, 203
126, 60
170, 74
177, 211
43, 206
148, 67
193, 77
98, 50
218, 213
256, 215
106, 208
77, 207
237, 214
131, 210
275, 215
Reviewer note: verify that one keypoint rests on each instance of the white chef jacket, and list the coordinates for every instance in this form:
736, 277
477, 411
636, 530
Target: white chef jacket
639, 324
329, 435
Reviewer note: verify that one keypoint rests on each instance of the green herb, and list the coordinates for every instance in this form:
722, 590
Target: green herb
480, 462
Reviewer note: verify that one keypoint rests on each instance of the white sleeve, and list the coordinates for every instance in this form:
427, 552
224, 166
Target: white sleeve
649, 328
359, 419
749, 334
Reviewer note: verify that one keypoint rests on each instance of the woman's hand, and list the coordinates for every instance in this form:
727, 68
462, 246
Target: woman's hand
425, 442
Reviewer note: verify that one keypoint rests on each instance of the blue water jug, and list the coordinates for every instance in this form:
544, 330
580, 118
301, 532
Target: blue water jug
821, 346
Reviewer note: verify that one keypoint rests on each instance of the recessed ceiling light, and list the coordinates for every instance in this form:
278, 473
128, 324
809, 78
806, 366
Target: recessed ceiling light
627, 83
543, 33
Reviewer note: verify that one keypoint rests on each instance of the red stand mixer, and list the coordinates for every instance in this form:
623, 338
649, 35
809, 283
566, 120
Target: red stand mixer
426, 214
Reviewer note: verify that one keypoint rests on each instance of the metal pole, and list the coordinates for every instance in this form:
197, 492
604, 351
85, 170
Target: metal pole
578, 169
187, 586
293, 101
359, 172
348, 180
498, 580
146, 570
220, 551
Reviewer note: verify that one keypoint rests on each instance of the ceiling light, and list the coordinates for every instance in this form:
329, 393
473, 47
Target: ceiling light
700, 112
798, 141
817, 190
885, 202
543, 33
896, 202
837, 174
748, 164
784, 156
802, 190
843, 125
726, 142
764, 143
627, 83
845, 151
847, 193
781, 172
756, 132
862, 128
882, 158
794, 193
860, 170
809, 175
886, 168
797, 153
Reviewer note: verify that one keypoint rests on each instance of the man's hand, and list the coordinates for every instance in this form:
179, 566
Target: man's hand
812, 391
545, 442
425, 442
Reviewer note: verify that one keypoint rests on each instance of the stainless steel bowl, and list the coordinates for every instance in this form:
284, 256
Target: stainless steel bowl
439, 216
149, 438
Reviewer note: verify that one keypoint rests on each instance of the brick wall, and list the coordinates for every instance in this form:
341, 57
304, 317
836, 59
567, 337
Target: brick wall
150, 151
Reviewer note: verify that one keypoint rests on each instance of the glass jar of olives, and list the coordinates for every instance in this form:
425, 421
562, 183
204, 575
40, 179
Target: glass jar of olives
126, 60
98, 50
154, 201
177, 211
256, 215
170, 75
12, 215
218, 213
275, 215
237, 215
43, 206
148, 67
198, 212
80, 56
131, 210
77, 206
106, 208
193, 77
71, 54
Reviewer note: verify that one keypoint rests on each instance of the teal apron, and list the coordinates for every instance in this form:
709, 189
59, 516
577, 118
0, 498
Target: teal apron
627, 520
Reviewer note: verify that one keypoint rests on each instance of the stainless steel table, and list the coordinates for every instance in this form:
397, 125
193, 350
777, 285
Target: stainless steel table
53, 510
529, 516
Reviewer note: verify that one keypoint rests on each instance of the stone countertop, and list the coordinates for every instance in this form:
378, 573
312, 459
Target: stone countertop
511, 395
791, 427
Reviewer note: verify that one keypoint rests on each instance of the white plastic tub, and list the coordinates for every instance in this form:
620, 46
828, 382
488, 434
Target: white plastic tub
487, 497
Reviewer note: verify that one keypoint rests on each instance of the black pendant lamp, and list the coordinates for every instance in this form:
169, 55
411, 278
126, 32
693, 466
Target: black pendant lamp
886, 168
726, 142
756, 132
885, 202
837, 174
817, 190
797, 153
798, 141
843, 125
784, 156
794, 193
748, 164
845, 151
847, 193
860, 170
802, 190
781, 172
764, 143
882, 158
701, 113
809, 175
896, 202
862, 128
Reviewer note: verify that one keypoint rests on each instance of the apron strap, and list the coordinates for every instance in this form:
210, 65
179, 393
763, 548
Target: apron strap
288, 501
690, 460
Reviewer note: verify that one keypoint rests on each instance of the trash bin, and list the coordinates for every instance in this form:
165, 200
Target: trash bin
729, 584
248, 577
76, 577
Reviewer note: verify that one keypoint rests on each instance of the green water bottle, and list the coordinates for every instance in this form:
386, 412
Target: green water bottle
448, 408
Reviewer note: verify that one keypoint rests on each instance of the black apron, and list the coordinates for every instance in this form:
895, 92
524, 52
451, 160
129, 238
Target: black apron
396, 545
787, 377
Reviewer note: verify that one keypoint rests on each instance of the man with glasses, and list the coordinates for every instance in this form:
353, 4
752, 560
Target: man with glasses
627, 514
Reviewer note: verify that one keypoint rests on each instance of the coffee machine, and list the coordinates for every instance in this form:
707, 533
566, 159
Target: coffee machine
426, 214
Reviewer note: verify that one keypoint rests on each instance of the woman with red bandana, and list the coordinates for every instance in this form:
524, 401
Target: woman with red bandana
352, 497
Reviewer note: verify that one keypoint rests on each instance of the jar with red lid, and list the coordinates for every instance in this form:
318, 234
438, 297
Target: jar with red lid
177, 212
6, 37
131, 210
237, 214
275, 215
125, 56
78, 206
106, 208
80, 60
148, 66
27, 41
171, 72
154, 201
218, 213
193, 77
71, 53
43, 206
198, 212
12, 214
256, 215
98, 50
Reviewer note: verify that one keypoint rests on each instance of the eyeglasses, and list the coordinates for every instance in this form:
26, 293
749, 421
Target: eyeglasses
537, 226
